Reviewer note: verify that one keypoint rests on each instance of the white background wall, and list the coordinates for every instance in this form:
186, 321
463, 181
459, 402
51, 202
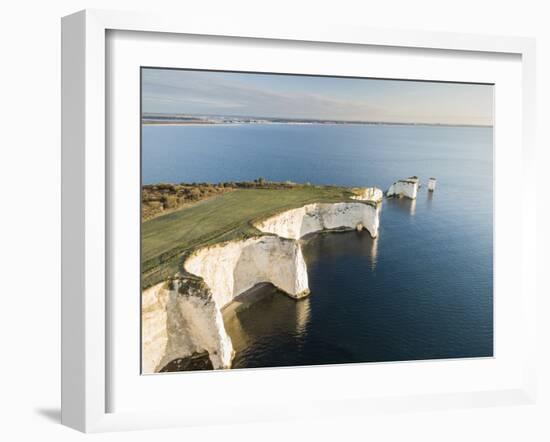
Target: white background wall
30, 220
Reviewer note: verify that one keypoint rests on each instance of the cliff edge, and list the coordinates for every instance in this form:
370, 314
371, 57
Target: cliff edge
182, 316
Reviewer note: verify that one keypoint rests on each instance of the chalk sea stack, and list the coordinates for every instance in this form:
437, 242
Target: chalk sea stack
407, 188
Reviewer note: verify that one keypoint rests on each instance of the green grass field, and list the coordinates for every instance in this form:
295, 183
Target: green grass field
167, 239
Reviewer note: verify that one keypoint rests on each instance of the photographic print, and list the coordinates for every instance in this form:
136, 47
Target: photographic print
301, 220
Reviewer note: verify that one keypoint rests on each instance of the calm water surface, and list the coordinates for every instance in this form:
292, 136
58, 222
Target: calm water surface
422, 290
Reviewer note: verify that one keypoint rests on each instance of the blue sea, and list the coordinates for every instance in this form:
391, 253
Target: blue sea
422, 290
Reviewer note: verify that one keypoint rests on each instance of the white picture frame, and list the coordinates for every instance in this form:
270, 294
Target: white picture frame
85, 307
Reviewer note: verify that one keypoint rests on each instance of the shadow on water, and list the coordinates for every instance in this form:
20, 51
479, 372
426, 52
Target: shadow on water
264, 312
321, 245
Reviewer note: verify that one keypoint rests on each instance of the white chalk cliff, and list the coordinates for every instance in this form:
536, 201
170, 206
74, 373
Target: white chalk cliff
404, 188
296, 223
183, 316
180, 318
373, 194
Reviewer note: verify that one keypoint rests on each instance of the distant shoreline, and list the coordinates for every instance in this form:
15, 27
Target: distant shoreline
194, 123
300, 123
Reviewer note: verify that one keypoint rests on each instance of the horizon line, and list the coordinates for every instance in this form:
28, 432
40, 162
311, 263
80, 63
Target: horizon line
144, 116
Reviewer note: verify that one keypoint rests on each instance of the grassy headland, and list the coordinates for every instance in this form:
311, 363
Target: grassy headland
222, 216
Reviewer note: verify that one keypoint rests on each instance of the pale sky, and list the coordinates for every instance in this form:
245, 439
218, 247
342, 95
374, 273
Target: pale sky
290, 96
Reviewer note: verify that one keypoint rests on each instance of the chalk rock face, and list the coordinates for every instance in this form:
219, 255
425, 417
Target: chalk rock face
373, 194
404, 188
231, 268
154, 331
296, 223
180, 318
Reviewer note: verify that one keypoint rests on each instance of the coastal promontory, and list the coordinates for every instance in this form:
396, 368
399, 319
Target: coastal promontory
198, 259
